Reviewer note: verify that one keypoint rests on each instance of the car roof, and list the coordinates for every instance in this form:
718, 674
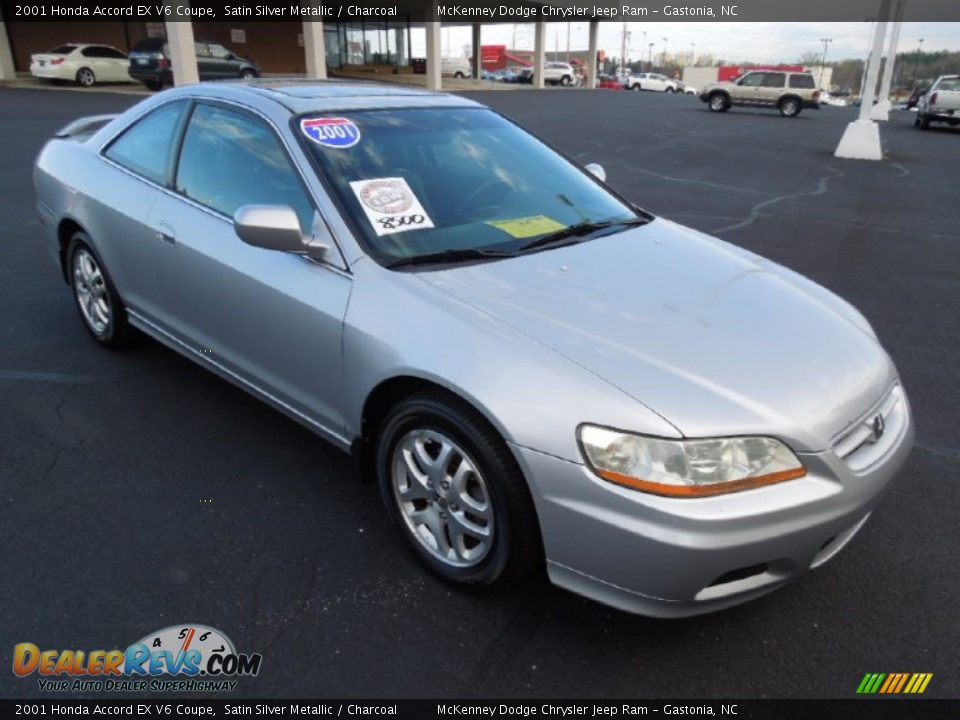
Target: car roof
301, 95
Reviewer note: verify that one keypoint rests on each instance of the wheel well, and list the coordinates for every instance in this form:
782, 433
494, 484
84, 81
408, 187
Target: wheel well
66, 230
789, 97
379, 402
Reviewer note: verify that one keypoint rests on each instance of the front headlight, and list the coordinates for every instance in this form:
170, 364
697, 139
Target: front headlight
687, 468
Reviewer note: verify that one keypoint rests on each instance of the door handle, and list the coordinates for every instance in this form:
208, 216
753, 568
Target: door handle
165, 234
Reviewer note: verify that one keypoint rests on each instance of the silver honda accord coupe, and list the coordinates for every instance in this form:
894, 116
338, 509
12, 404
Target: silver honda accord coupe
536, 371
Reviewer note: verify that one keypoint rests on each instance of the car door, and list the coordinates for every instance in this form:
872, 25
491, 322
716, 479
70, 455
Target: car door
227, 64
749, 88
117, 64
271, 319
138, 166
207, 66
771, 88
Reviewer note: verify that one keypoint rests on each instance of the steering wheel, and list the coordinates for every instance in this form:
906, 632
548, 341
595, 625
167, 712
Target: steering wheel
469, 206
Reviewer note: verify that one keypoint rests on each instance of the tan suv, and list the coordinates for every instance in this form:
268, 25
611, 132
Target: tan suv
788, 92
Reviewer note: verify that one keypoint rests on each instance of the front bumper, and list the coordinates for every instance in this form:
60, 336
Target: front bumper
668, 557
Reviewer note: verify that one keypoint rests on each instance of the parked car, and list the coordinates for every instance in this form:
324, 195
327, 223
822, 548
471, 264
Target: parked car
940, 103
554, 73
455, 67
150, 63
651, 81
537, 372
608, 82
788, 92
83, 63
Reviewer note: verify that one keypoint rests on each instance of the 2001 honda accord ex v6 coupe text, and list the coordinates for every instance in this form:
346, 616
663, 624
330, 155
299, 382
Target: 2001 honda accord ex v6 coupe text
535, 370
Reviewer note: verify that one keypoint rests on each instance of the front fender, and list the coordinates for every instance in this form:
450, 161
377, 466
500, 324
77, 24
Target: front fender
398, 325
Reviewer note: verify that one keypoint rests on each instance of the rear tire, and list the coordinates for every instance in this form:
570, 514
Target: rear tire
154, 85
789, 107
924, 122
100, 307
86, 77
442, 468
247, 74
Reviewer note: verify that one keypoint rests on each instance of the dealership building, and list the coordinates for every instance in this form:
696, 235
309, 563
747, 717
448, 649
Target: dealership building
309, 47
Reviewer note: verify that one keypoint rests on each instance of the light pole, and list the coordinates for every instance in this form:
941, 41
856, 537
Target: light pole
663, 56
693, 54
823, 62
916, 67
650, 57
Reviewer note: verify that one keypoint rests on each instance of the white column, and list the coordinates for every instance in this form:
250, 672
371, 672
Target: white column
434, 55
315, 49
7, 70
592, 57
539, 53
182, 53
861, 139
881, 111
477, 59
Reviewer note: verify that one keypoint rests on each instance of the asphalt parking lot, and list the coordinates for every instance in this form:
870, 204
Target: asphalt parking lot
138, 491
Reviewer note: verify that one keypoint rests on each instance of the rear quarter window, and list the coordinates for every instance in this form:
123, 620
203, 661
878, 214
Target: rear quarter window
63, 50
802, 82
145, 147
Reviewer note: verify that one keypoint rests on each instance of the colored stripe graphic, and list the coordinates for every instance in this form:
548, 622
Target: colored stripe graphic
894, 683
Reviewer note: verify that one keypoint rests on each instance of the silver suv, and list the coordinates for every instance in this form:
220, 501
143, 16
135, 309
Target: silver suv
788, 92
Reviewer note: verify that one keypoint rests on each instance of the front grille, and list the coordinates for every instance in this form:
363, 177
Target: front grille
873, 435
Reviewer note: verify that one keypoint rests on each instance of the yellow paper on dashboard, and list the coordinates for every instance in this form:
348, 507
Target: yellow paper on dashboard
526, 227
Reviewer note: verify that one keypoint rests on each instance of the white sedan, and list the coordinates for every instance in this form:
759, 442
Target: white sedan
81, 63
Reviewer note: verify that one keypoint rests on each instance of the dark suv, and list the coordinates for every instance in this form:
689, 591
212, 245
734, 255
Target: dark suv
150, 63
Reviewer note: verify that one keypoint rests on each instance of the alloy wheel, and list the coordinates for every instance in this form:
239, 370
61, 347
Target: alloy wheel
91, 292
443, 498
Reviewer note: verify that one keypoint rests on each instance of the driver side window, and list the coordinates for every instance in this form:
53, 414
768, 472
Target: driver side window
752, 80
230, 159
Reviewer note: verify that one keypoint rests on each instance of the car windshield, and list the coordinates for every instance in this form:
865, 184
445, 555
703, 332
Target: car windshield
419, 182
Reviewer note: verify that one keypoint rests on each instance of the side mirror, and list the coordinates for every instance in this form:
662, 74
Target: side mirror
275, 227
597, 171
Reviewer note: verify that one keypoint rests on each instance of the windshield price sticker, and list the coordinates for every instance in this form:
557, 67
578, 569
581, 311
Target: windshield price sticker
334, 132
527, 227
390, 205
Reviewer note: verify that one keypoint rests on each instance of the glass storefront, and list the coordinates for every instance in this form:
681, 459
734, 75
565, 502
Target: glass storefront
367, 43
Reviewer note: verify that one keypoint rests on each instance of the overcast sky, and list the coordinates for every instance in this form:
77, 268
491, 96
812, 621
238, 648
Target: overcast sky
766, 42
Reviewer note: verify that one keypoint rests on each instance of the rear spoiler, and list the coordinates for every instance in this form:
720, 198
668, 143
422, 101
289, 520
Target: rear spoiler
84, 126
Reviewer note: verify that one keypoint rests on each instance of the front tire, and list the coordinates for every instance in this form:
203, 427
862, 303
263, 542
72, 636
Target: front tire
86, 77
565, 81
924, 122
100, 307
718, 102
454, 491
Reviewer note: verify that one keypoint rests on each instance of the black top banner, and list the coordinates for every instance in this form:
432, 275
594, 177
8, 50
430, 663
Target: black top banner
469, 11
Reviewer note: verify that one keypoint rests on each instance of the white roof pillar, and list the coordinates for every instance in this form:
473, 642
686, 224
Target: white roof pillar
539, 53
315, 49
434, 55
183, 55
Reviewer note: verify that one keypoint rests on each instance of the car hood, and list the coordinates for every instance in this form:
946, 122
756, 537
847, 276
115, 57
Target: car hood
716, 340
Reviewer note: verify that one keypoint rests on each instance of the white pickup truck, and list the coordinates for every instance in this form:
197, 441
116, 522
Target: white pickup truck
941, 103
